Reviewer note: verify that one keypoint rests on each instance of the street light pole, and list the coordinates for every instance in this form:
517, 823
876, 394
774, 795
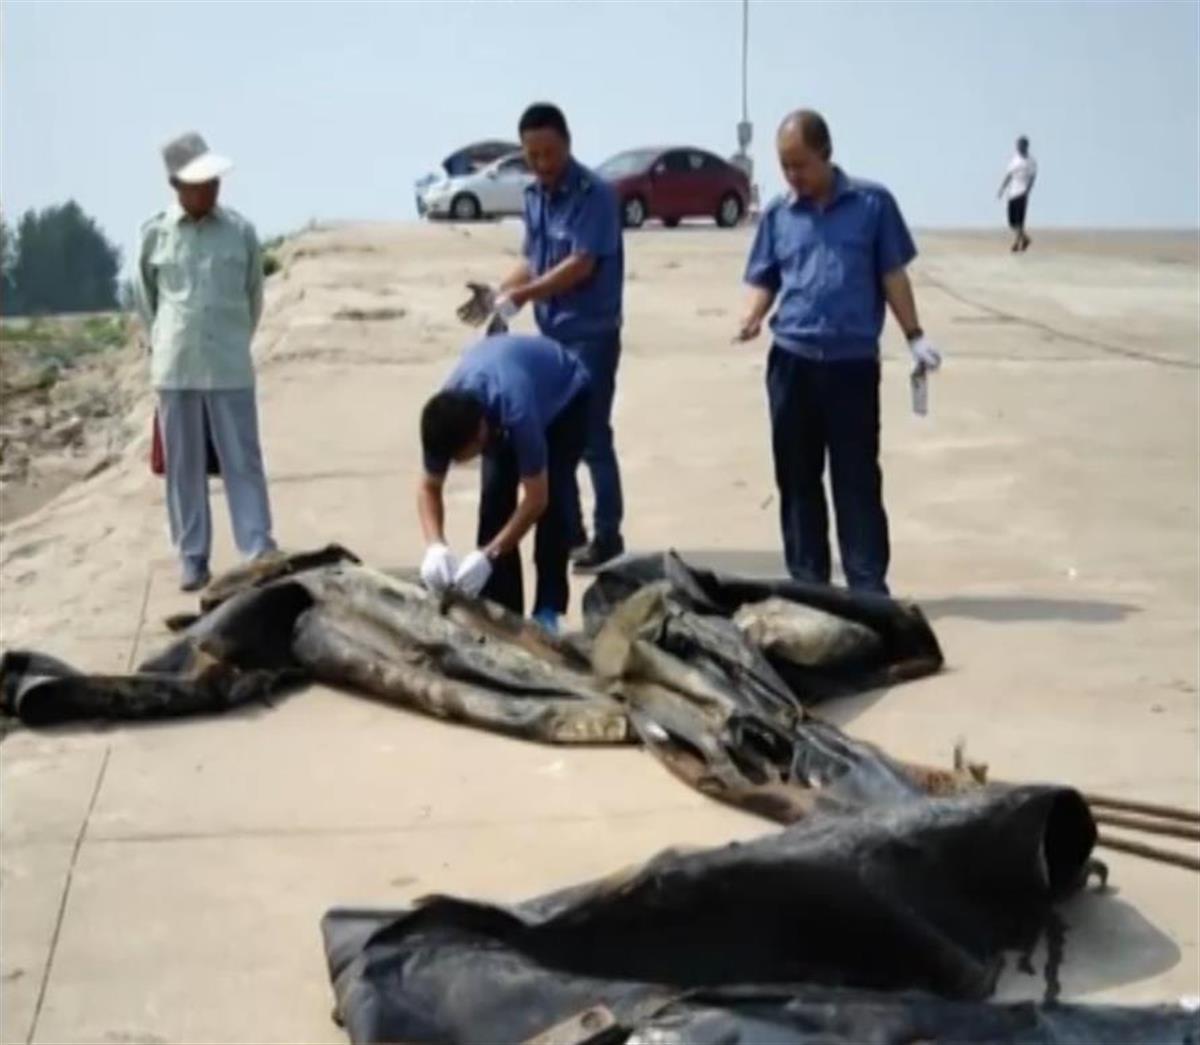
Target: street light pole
745, 55
745, 129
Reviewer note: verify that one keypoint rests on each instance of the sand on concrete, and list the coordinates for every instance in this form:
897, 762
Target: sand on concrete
164, 883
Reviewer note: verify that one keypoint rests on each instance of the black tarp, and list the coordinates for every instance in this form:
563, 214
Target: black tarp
878, 886
925, 895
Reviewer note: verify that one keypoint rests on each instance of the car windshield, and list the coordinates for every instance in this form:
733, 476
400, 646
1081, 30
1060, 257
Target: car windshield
514, 164
472, 157
626, 163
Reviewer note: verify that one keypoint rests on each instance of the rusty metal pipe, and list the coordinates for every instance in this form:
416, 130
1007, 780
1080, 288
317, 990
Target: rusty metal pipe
1162, 856
1191, 816
1155, 827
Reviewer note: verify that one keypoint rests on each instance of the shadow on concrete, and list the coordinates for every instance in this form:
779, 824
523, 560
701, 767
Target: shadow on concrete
746, 563
1012, 609
1112, 943
843, 710
1109, 943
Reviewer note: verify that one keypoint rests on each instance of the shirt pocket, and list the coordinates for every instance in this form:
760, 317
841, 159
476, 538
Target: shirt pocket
795, 253
226, 271
855, 249
170, 268
558, 244
853, 286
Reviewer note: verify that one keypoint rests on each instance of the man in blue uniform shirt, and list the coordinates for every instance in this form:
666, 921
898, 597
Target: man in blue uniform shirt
831, 254
573, 272
522, 403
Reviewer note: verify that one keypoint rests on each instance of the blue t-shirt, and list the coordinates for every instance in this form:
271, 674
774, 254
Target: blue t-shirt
827, 267
524, 382
581, 215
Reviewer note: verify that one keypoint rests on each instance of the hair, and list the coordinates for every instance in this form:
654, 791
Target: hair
449, 422
1022, 142
814, 131
542, 116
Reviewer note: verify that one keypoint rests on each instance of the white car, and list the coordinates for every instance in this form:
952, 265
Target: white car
494, 191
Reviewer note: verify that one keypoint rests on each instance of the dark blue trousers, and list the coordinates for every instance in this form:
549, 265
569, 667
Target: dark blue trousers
499, 482
820, 408
600, 358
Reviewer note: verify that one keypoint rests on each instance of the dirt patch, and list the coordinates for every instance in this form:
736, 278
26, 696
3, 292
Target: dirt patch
370, 314
66, 385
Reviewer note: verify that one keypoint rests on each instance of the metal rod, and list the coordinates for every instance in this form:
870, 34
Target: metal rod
1164, 856
1154, 827
745, 56
1150, 809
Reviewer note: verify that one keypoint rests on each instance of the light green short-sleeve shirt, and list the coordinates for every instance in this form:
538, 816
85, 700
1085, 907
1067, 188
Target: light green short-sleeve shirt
199, 288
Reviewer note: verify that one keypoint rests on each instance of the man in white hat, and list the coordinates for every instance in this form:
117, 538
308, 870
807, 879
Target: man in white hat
199, 288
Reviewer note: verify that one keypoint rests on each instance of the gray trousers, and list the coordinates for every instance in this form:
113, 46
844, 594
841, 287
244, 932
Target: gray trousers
233, 422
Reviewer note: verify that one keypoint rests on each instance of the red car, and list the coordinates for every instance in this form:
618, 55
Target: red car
677, 183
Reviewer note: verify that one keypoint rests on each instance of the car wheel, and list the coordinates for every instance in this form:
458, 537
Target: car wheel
729, 211
465, 207
671, 223
633, 212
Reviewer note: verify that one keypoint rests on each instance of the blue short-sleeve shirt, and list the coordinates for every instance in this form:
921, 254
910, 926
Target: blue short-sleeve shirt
827, 267
524, 383
580, 215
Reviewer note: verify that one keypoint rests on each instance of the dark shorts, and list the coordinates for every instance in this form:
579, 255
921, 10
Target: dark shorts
1016, 211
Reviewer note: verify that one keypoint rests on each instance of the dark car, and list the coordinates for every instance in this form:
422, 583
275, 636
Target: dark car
676, 183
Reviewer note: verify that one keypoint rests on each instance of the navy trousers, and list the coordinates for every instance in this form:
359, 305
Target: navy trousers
500, 480
819, 409
600, 358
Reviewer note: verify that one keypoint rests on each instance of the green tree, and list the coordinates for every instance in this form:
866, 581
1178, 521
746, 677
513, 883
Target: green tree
8, 303
63, 263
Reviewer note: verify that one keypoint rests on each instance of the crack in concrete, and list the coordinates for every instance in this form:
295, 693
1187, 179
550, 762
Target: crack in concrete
1079, 339
66, 894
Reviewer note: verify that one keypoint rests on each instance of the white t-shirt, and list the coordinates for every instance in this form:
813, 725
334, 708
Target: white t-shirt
1021, 173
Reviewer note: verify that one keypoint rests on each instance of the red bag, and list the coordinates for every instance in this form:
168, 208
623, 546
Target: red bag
158, 457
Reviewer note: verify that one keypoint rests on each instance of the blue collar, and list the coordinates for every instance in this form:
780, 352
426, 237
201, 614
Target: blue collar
574, 178
842, 186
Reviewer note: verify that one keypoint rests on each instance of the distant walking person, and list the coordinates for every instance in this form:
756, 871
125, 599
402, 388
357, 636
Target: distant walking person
831, 254
199, 289
573, 272
1017, 186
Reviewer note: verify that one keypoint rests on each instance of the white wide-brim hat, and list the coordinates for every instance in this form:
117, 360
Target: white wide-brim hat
189, 160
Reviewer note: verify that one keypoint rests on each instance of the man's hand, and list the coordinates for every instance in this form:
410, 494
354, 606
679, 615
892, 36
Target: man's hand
750, 329
438, 568
924, 354
757, 308
479, 306
473, 573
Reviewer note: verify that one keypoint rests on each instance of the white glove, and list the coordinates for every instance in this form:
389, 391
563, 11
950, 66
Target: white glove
924, 354
505, 307
438, 568
473, 573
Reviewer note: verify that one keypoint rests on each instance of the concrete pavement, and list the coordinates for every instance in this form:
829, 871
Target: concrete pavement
165, 882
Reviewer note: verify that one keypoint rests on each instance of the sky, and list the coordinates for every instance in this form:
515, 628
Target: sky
332, 110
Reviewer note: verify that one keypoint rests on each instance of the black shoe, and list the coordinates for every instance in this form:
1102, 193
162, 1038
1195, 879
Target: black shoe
195, 579
599, 554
